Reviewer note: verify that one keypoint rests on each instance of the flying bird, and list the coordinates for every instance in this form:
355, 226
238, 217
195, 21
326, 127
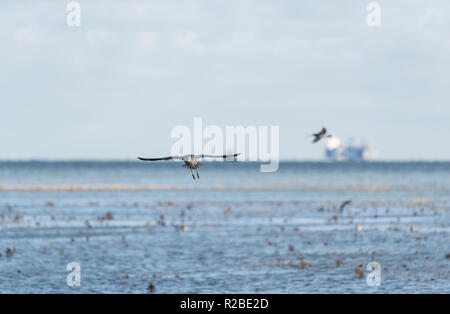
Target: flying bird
190, 161
320, 135
344, 203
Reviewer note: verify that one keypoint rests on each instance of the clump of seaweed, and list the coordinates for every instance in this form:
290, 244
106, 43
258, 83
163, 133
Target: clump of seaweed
108, 216
359, 273
10, 252
301, 265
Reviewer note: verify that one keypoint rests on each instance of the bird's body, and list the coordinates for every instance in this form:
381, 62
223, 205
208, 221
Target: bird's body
320, 135
190, 161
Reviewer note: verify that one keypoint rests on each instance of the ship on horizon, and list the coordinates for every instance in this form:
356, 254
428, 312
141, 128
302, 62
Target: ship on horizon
355, 150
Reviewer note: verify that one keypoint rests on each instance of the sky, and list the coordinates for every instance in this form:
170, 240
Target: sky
115, 87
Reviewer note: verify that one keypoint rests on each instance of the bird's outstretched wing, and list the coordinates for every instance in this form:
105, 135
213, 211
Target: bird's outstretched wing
163, 158
316, 139
322, 132
345, 203
216, 156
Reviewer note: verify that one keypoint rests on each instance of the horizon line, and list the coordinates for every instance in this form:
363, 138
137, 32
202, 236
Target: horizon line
49, 160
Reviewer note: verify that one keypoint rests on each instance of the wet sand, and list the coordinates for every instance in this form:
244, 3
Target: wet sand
207, 247
150, 229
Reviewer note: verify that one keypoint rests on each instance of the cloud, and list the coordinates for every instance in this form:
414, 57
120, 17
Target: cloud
147, 41
99, 36
189, 41
25, 36
434, 17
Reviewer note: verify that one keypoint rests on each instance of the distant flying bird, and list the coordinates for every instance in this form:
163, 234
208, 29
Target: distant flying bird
190, 161
320, 135
344, 203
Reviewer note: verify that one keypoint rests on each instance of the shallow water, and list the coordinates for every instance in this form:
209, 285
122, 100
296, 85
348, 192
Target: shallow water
236, 230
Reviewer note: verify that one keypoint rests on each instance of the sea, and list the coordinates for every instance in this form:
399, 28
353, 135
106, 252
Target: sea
136, 227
